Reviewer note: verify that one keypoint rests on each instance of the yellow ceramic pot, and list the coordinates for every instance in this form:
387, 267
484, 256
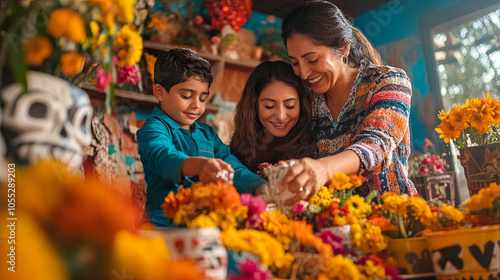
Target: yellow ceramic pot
411, 254
466, 253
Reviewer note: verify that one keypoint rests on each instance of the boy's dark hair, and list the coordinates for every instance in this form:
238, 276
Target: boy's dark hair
176, 66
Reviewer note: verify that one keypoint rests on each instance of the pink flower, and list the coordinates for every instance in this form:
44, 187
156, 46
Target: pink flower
255, 207
424, 170
103, 79
126, 74
426, 161
333, 240
245, 199
298, 208
321, 222
198, 20
215, 40
251, 270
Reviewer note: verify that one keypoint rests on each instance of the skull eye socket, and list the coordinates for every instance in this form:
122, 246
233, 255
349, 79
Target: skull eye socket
38, 110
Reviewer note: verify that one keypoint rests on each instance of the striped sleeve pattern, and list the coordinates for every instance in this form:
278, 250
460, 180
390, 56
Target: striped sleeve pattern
374, 123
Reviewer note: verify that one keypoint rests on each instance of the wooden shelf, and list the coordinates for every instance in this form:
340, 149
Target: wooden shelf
208, 56
145, 99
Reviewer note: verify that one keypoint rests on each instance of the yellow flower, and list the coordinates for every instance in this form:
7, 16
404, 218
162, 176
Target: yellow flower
372, 270
150, 61
421, 210
97, 38
447, 131
397, 204
341, 268
480, 116
484, 198
72, 63
157, 23
358, 207
452, 213
494, 104
31, 237
321, 198
368, 237
202, 221
128, 46
275, 222
340, 181
458, 117
36, 50
270, 252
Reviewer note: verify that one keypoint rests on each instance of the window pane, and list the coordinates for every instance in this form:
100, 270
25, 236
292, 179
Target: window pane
468, 59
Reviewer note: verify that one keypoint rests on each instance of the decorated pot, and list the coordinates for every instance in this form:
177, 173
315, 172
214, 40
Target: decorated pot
470, 254
411, 254
203, 245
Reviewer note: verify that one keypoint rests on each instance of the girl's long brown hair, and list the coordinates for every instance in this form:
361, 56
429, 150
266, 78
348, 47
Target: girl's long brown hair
249, 142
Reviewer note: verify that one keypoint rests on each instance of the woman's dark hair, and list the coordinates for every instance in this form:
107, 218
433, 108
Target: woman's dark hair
326, 25
249, 143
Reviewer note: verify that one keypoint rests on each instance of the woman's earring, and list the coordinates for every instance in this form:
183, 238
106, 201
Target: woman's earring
345, 59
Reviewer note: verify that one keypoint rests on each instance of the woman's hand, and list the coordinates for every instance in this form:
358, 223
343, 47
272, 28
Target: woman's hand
211, 167
308, 176
305, 178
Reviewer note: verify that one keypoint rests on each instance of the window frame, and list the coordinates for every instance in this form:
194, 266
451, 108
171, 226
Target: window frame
460, 13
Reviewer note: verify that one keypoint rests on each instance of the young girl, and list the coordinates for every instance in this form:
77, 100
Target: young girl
273, 117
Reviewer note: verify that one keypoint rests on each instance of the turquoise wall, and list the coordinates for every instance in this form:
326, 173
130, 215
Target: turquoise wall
393, 29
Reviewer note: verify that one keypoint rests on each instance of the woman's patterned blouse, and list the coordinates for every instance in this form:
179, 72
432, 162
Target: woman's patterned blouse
374, 123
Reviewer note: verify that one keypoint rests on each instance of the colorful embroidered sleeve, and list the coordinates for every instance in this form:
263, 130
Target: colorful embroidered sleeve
386, 119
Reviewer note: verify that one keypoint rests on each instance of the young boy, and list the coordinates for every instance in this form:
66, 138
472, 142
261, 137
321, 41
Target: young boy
172, 145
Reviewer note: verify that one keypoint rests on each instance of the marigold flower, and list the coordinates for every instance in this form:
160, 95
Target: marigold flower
128, 46
358, 207
158, 23
36, 50
397, 204
339, 267
65, 22
58, 22
72, 63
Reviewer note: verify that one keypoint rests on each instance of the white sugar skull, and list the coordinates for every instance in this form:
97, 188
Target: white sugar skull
50, 121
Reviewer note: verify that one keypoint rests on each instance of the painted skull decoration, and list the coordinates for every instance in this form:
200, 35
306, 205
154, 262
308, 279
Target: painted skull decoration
51, 121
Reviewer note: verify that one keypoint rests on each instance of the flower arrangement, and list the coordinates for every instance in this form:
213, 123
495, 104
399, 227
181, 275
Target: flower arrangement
83, 231
485, 205
477, 122
403, 216
229, 12
210, 205
335, 204
426, 164
283, 247
72, 40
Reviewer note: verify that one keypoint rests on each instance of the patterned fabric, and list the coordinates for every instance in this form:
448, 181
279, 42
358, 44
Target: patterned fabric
374, 124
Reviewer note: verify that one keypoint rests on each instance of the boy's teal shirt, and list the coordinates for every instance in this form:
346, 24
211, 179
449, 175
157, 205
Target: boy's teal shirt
163, 147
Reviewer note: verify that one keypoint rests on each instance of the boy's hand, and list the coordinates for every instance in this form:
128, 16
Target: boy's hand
209, 169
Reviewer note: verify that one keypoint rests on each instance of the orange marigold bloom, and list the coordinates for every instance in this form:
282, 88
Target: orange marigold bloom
158, 23
65, 22
36, 50
72, 63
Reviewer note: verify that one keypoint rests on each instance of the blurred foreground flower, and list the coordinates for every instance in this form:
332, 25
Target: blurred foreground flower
70, 228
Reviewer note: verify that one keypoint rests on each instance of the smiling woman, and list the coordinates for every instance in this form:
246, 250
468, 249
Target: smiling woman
273, 117
360, 109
